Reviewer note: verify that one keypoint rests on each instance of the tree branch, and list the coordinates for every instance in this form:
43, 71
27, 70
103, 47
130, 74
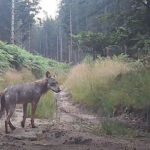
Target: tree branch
147, 5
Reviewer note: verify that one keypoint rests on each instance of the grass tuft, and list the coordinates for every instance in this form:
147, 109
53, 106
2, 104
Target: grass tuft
115, 128
111, 85
45, 108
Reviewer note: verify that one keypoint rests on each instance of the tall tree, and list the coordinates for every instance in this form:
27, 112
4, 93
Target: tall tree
12, 38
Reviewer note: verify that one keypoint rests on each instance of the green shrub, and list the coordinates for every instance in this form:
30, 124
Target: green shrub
114, 128
12, 56
111, 85
131, 90
45, 108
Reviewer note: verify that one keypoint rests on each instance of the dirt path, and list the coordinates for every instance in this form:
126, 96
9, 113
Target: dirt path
69, 131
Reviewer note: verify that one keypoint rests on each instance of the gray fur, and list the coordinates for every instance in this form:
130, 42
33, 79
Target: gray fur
23, 94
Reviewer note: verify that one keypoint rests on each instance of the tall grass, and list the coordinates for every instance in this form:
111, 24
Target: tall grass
19, 66
115, 128
110, 85
45, 108
46, 105
13, 76
89, 82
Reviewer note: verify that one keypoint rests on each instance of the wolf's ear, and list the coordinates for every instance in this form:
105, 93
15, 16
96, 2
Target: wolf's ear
48, 75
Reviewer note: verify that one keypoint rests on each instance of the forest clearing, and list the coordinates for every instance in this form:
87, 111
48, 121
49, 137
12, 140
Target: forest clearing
89, 64
73, 128
70, 119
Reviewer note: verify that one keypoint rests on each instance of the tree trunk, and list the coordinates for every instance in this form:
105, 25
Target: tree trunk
57, 57
69, 53
125, 49
70, 47
78, 58
94, 54
12, 22
46, 49
29, 46
107, 51
61, 47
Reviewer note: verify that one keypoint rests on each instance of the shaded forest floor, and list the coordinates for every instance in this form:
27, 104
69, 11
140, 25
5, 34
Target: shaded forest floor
70, 130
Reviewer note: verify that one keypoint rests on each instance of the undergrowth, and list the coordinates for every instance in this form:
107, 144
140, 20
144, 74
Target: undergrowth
19, 66
115, 128
46, 106
111, 85
12, 56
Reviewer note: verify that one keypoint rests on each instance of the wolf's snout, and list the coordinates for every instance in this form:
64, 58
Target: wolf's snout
59, 90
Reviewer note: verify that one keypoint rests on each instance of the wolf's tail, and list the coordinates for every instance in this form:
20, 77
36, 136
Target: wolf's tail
2, 99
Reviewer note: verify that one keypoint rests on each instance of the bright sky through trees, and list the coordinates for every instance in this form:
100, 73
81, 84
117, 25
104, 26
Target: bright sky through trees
50, 7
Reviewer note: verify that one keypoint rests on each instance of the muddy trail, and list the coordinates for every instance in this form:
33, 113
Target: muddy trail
70, 130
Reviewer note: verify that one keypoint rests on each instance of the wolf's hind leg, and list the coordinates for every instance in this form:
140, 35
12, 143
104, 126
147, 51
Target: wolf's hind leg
11, 126
10, 111
24, 115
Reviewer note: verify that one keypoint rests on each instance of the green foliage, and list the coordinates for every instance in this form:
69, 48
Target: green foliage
4, 64
88, 60
45, 108
103, 18
23, 19
111, 85
12, 56
130, 90
123, 24
93, 40
115, 128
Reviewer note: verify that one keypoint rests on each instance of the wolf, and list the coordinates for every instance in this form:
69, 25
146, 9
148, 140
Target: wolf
23, 94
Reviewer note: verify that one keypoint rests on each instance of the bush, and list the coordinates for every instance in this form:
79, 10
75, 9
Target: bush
111, 85
130, 91
89, 83
119, 129
12, 56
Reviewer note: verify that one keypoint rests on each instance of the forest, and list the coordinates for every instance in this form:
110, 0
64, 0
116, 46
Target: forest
105, 28
98, 53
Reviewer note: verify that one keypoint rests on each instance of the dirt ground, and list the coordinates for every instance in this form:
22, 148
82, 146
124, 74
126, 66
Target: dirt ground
68, 131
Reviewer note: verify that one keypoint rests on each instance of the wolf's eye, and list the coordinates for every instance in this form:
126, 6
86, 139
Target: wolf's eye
52, 84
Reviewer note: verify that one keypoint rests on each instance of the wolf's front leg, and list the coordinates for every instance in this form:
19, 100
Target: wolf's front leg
24, 115
34, 106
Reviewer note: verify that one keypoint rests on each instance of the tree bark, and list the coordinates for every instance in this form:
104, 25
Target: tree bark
29, 46
61, 46
12, 22
57, 57
70, 47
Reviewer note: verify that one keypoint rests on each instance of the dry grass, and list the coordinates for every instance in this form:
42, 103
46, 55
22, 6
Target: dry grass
46, 105
13, 77
110, 85
85, 80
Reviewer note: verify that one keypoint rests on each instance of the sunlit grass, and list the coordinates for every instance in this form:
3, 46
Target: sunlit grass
88, 82
110, 85
12, 77
45, 108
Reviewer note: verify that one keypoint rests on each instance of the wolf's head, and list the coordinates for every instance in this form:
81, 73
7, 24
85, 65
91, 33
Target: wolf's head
52, 84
